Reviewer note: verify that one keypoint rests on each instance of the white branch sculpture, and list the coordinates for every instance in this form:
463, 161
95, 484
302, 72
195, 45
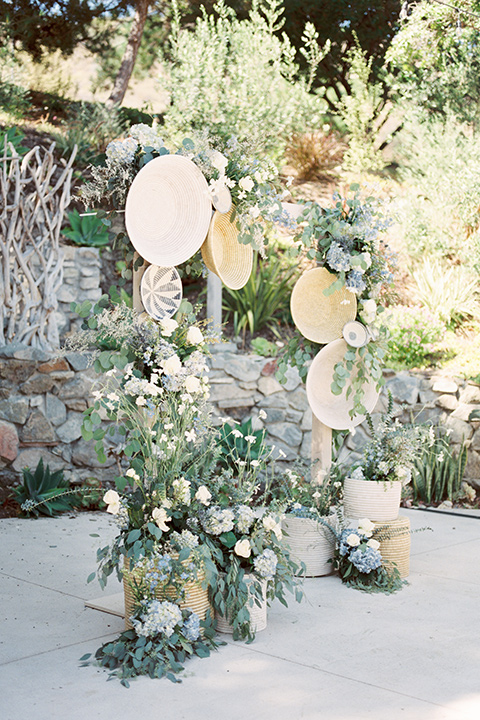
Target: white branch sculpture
34, 193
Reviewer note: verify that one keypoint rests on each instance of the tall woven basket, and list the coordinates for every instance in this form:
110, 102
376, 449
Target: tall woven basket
394, 539
195, 597
310, 543
258, 613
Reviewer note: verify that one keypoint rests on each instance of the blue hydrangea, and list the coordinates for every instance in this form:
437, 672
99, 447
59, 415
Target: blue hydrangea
191, 627
158, 570
344, 547
355, 282
160, 618
337, 258
245, 518
366, 559
266, 564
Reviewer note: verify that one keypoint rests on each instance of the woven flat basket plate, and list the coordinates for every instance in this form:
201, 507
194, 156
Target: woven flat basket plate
161, 290
224, 255
320, 318
168, 210
333, 410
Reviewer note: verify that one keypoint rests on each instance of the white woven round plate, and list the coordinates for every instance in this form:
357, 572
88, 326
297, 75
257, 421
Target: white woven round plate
161, 290
168, 210
334, 410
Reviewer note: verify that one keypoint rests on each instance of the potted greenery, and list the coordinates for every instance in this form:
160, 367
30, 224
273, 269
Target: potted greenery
309, 518
372, 489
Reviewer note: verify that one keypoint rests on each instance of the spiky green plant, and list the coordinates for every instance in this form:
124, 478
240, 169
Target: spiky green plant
44, 492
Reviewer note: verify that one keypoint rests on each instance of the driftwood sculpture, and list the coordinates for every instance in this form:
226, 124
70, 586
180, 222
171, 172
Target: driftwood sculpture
34, 192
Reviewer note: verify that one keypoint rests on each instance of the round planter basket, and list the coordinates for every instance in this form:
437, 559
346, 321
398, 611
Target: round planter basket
310, 543
377, 501
195, 596
394, 539
258, 613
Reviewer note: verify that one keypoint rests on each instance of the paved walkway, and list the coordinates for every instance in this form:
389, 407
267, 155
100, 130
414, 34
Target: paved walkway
340, 655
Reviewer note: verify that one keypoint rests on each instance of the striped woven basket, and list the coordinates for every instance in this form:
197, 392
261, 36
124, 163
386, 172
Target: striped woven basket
195, 597
311, 544
377, 501
258, 613
394, 539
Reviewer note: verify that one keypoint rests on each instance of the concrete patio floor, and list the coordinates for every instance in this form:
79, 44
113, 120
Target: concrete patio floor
340, 655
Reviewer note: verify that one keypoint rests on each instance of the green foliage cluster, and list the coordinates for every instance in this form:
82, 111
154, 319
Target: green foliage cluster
131, 655
222, 72
441, 173
233, 445
435, 68
358, 109
413, 333
44, 492
264, 302
89, 126
86, 230
438, 472
12, 136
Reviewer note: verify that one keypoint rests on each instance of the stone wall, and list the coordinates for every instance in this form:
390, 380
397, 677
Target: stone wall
242, 385
42, 399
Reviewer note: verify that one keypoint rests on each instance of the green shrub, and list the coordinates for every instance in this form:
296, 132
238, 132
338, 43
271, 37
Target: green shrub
239, 78
440, 171
450, 292
13, 136
43, 492
413, 334
87, 230
438, 472
89, 126
264, 302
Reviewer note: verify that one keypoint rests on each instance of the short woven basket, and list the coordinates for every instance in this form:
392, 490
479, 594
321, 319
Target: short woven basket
310, 543
258, 613
195, 597
395, 541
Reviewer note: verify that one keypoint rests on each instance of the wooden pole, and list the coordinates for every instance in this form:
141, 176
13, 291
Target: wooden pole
321, 450
136, 280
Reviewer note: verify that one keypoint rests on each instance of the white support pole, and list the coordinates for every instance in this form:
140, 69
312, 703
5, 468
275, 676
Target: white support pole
214, 301
321, 450
136, 280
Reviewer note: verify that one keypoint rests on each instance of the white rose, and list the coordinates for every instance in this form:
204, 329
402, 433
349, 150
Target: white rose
194, 336
271, 525
246, 183
161, 518
203, 495
168, 326
218, 160
374, 544
243, 548
172, 365
192, 384
369, 311
366, 526
140, 401
353, 540
112, 498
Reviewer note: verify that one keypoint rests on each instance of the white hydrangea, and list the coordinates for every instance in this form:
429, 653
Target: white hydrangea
160, 618
122, 151
147, 136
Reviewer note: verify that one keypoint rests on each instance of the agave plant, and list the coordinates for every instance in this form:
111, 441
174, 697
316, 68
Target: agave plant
44, 492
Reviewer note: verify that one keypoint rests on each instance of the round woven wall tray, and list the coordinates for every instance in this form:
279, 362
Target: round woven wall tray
168, 210
161, 291
319, 317
334, 410
224, 255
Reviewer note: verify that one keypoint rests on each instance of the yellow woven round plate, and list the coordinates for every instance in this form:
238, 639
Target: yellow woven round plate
321, 317
224, 255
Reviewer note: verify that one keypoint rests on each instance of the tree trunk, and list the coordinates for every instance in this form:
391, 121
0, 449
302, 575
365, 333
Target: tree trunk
130, 55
